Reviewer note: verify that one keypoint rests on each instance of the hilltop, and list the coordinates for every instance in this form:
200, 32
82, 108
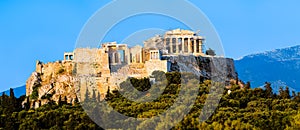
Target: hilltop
97, 70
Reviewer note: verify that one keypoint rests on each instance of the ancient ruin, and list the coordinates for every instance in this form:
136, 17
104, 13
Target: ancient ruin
90, 69
118, 62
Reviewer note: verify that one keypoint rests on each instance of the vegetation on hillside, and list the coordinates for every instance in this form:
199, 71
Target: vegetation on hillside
242, 108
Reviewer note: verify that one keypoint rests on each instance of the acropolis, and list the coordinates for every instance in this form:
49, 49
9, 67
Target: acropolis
117, 62
105, 67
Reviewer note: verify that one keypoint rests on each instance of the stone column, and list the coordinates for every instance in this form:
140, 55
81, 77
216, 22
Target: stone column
189, 45
66, 57
182, 43
200, 46
112, 57
165, 43
141, 56
119, 58
116, 57
171, 45
177, 45
127, 55
195, 43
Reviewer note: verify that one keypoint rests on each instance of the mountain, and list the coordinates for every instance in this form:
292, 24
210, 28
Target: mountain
280, 67
19, 91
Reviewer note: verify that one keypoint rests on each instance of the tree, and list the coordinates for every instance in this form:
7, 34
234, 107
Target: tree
4, 99
65, 100
294, 94
76, 101
99, 97
210, 52
59, 101
248, 85
108, 95
281, 92
284, 94
158, 75
296, 97
27, 105
287, 93
268, 90
237, 80
12, 99
12, 94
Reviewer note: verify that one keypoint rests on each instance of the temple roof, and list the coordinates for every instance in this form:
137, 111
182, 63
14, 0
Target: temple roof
180, 32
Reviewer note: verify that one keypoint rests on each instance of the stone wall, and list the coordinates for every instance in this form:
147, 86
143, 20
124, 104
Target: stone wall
92, 71
160, 65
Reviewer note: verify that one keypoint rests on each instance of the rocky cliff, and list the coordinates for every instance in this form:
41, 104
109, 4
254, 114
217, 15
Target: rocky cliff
55, 80
51, 81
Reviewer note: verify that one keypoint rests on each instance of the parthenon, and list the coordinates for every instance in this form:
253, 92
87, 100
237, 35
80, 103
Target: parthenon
183, 42
177, 42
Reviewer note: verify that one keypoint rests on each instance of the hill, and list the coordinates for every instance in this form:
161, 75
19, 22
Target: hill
19, 91
242, 108
280, 67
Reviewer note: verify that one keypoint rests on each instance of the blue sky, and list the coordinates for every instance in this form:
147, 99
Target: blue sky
43, 30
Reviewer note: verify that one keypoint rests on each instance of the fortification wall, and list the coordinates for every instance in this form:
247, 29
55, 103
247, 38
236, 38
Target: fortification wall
159, 65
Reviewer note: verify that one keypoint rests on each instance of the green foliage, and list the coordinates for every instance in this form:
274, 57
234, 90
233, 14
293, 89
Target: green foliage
35, 92
243, 108
158, 75
210, 52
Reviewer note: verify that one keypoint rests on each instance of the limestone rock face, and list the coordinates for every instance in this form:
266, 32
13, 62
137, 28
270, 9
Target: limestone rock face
215, 68
51, 81
70, 80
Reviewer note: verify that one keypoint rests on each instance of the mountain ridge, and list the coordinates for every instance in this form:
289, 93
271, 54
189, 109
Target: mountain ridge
18, 91
279, 66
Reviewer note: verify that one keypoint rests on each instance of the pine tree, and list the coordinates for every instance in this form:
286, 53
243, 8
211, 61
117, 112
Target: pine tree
98, 97
248, 85
281, 92
76, 101
297, 97
237, 80
12, 94
294, 94
108, 95
287, 93
210, 52
12, 100
65, 100
33, 104
4, 99
27, 105
59, 101
268, 90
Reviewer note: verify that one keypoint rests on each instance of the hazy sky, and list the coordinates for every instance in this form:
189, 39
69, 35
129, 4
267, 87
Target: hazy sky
44, 29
